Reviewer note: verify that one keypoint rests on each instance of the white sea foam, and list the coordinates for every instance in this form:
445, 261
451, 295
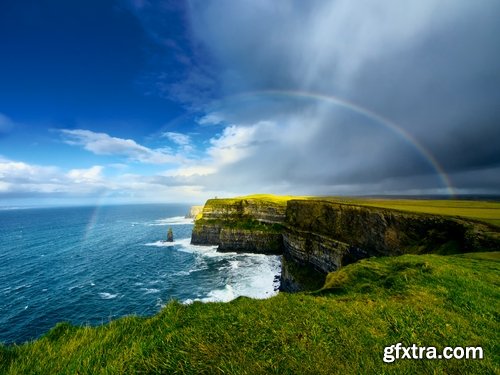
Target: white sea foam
161, 244
176, 220
107, 295
189, 272
19, 287
181, 273
207, 251
248, 276
220, 295
150, 290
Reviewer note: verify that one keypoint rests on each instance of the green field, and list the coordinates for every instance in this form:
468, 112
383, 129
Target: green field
485, 211
428, 300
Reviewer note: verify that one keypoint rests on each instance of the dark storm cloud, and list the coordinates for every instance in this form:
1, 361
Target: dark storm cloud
431, 67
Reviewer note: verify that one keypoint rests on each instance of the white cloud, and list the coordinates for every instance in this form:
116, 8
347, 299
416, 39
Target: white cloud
15, 171
212, 118
178, 138
104, 144
232, 145
92, 175
200, 169
19, 179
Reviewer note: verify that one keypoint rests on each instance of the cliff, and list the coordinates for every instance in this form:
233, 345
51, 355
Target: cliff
194, 211
324, 235
329, 235
244, 225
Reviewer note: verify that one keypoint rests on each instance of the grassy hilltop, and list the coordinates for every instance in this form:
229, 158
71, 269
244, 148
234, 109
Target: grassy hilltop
427, 300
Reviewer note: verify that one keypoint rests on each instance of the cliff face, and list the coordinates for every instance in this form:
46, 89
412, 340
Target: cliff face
329, 235
250, 240
325, 235
239, 209
241, 225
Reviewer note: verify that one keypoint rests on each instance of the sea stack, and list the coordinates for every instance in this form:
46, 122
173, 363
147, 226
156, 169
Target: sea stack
170, 235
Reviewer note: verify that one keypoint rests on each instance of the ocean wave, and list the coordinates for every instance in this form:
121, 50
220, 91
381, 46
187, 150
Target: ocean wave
162, 243
208, 251
107, 295
189, 272
220, 295
176, 220
19, 287
150, 290
249, 277
181, 273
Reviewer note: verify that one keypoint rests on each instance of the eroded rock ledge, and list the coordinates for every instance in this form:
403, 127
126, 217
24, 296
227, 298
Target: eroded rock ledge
319, 236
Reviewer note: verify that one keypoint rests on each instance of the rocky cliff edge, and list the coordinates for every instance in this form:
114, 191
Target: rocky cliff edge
324, 235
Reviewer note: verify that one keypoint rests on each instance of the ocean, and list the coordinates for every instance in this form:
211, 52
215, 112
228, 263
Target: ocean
89, 265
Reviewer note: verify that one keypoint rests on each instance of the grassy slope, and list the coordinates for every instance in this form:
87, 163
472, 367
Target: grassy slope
426, 300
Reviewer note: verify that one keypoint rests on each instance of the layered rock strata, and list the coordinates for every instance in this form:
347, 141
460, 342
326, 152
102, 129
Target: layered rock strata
325, 235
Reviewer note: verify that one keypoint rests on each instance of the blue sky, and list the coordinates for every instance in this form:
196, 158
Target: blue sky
167, 101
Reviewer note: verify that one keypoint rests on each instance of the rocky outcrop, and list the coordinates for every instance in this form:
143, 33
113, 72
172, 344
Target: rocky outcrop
297, 277
170, 235
206, 233
323, 235
250, 241
321, 252
243, 225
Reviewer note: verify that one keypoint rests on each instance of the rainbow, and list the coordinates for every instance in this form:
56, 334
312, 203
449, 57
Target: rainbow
94, 216
388, 124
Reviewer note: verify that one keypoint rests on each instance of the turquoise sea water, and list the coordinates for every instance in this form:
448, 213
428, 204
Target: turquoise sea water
88, 265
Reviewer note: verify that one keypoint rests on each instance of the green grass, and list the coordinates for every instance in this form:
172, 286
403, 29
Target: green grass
270, 198
422, 299
485, 211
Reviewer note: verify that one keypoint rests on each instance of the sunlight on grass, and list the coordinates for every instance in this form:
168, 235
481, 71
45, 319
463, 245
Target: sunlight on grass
342, 328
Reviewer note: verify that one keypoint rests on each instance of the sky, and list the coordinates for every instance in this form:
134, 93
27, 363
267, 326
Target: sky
139, 101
